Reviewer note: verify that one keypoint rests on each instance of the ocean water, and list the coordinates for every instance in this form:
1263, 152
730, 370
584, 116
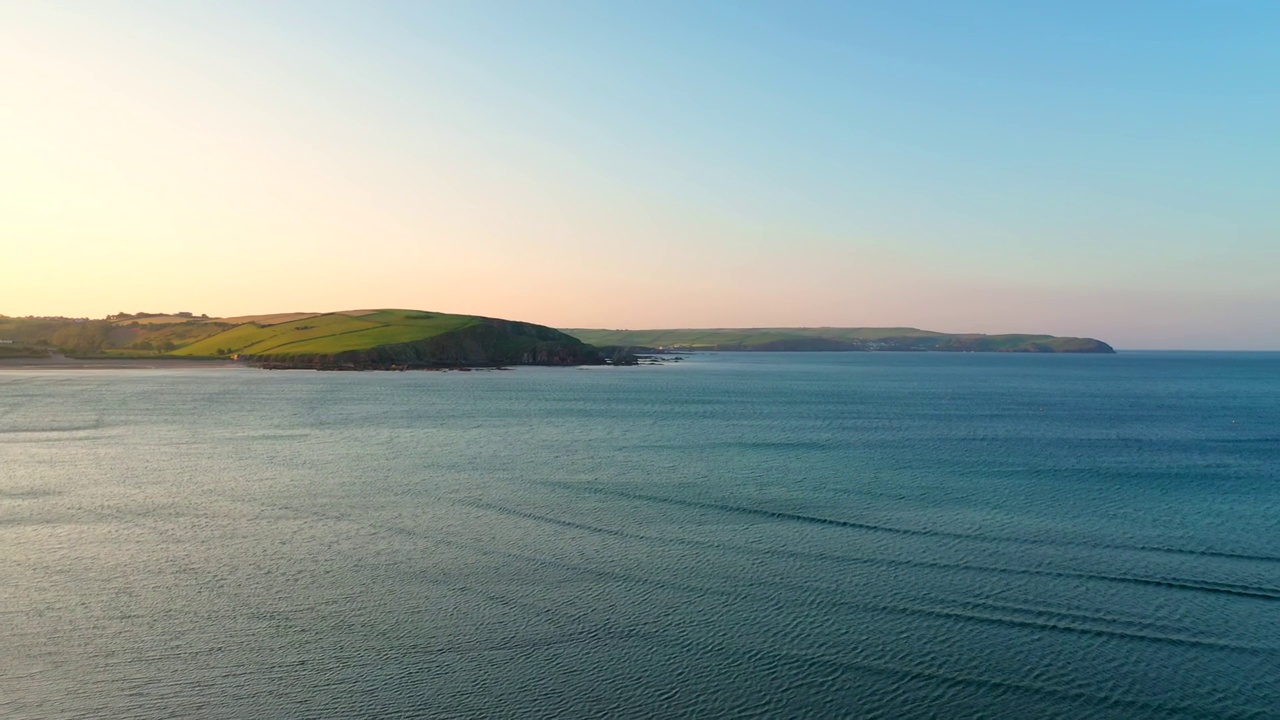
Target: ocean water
800, 535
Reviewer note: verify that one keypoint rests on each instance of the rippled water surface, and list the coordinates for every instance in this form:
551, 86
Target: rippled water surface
867, 535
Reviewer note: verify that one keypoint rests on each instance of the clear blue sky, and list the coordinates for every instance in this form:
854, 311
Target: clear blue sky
1095, 168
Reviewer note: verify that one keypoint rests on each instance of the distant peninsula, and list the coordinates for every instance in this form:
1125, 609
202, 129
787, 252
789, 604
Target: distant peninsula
811, 339
416, 339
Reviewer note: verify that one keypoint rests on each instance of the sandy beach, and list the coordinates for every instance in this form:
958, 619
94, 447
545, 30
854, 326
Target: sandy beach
61, 362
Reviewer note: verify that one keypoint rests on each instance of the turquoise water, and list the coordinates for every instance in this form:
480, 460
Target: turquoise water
866, 535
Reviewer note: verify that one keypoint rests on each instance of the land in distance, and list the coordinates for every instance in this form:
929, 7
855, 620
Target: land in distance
800, 339
402, 339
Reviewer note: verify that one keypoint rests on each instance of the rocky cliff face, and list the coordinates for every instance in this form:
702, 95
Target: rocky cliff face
488, 343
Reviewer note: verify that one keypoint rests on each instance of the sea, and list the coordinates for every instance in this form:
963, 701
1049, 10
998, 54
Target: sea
863, 535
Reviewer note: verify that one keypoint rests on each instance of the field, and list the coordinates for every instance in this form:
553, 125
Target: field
150, 335
829, 338
746, 337
327, 334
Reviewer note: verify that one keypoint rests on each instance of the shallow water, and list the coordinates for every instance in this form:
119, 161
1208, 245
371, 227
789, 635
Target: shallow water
869, 535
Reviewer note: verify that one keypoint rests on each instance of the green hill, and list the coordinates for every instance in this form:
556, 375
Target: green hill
824, 338
355, 339
327, 334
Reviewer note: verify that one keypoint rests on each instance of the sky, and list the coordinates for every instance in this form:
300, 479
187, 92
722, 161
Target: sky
1101, 169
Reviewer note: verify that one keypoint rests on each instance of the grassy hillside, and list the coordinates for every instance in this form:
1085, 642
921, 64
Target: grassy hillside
20, 351
352, 339
745, 337
326, 334
809, 339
